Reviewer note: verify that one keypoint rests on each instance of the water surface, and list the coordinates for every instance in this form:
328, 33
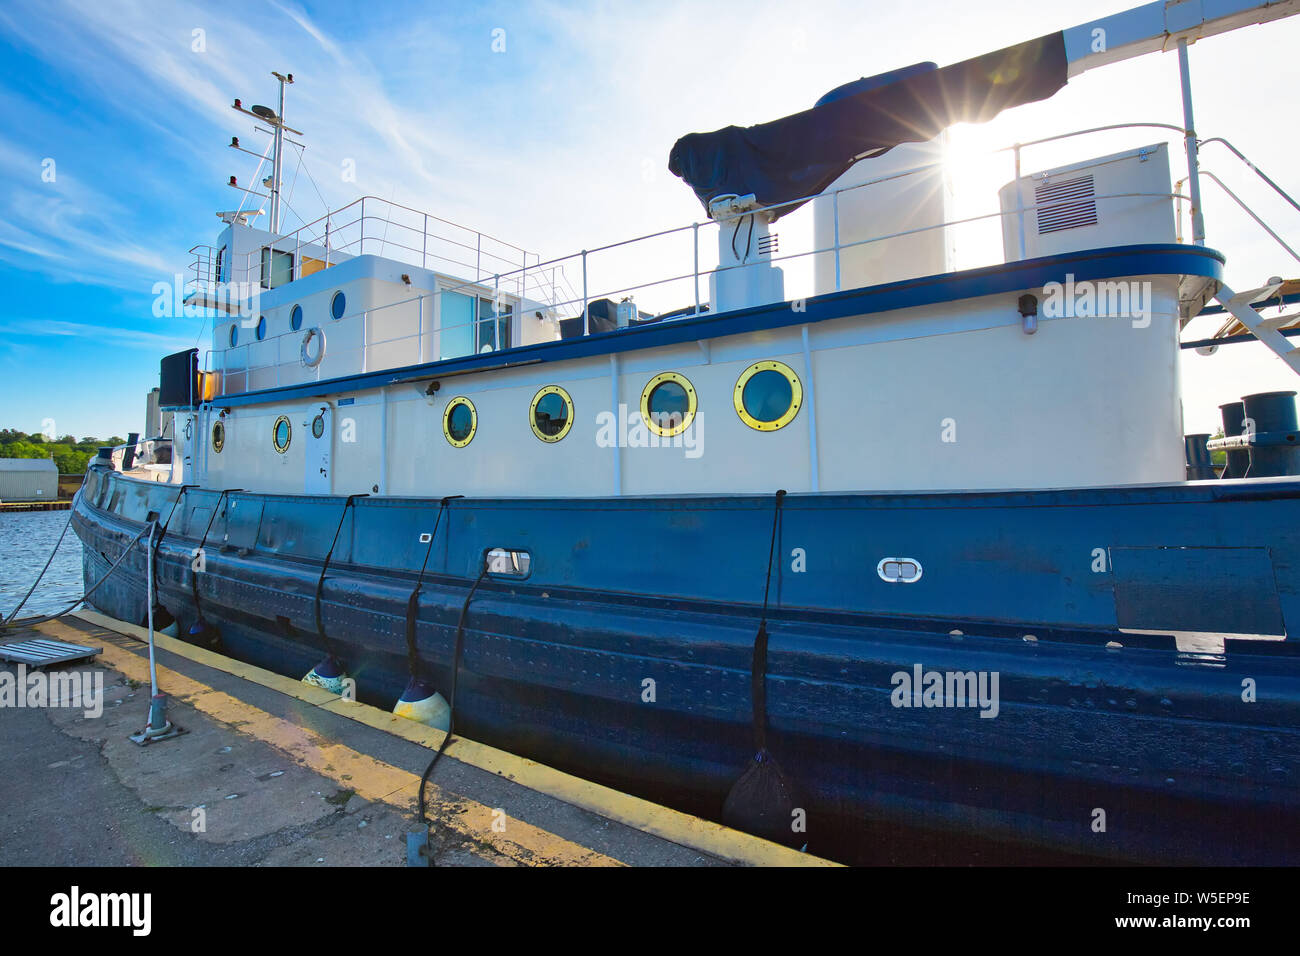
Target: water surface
26, 540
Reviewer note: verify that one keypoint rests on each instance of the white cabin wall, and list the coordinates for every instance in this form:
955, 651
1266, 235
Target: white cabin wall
1084, 401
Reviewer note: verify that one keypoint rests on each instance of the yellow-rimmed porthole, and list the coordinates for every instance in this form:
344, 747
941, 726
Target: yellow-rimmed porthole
218, 436
768, 396
460, 421
281, 434
668, 404
551, 414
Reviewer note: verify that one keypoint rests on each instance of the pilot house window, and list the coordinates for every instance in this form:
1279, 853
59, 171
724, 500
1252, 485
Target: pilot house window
277, 268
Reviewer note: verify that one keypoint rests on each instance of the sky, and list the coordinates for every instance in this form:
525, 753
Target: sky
545, 124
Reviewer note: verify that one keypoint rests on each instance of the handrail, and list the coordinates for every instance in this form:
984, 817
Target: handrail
1255, 169
1250, 212
561, 299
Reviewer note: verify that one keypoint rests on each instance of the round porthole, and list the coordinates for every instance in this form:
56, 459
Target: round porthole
281, 434
768, 396
460, 422
318, 426
234, 335
261, 328
551, 413
218, 436
295, 318
338, 304
668, 404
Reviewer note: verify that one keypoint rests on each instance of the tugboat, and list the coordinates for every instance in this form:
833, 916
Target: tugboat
833, 544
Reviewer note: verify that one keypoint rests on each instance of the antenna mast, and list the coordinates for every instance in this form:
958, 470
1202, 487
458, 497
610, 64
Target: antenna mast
274, 119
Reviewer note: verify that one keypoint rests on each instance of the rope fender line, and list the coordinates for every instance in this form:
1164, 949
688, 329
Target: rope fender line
203, 541
762, 800
413, 602
320, 582
758, 665
451, 697
162, 532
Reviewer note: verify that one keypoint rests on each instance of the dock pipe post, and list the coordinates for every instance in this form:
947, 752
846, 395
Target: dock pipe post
153, 663
1189, 141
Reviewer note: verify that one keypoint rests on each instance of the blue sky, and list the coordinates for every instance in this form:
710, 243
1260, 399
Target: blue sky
559, 142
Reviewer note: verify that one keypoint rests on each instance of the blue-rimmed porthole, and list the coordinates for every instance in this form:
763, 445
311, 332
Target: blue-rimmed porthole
295, 318
261, 328
338, 304
234, 335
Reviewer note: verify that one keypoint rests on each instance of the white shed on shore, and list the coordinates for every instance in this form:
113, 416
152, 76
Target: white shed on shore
28, 479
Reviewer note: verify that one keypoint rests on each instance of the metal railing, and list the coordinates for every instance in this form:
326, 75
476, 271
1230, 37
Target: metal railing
371, 225
678, 291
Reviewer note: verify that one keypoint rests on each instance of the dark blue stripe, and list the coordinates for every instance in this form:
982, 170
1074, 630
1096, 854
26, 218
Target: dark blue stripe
1089, 265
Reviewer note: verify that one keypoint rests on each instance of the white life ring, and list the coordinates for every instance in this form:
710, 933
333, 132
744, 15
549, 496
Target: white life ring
308, 359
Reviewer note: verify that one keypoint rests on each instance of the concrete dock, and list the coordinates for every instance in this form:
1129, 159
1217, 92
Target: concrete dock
272, 772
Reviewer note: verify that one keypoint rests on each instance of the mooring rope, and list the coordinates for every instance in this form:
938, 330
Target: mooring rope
67, 524
41, 619
31, 621
451, 697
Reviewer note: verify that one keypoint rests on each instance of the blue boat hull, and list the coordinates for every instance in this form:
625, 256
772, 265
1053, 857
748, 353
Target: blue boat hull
625, 654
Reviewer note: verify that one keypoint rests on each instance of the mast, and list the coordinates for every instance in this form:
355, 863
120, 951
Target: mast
277, 164
274, 119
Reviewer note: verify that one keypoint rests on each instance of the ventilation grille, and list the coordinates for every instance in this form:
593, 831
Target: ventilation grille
1067, 204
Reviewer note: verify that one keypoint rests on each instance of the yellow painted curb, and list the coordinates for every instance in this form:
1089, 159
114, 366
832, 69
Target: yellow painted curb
703, 835
370, 779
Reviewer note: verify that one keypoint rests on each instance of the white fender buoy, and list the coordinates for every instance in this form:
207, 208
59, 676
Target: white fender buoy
423, 704
328, 674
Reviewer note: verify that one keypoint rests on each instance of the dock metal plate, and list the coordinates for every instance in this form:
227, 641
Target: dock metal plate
43, 652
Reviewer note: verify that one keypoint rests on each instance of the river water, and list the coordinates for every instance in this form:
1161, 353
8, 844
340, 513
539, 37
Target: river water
26, 539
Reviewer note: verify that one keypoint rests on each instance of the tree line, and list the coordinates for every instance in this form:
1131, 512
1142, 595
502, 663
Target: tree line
70, 454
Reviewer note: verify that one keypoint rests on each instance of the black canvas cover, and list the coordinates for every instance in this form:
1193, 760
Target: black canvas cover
801, 155
178, 380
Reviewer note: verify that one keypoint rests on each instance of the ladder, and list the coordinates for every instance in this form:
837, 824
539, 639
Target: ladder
1241, 306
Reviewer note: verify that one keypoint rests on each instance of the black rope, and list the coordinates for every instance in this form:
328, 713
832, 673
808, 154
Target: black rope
13, 614
451, 698
194, 575
40, 619
758, 673
413, 602
30, 621
320, 582
163, 532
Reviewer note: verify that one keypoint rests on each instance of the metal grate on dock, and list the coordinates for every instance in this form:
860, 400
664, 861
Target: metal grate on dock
43, 652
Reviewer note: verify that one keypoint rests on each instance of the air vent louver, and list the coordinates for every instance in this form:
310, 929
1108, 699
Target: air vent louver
1067, 204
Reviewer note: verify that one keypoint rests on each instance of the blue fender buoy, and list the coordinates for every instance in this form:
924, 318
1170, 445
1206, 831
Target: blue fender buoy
328, 674
203, 634
423, 704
